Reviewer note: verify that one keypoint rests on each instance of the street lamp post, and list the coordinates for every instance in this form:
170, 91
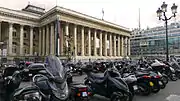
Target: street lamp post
163, 10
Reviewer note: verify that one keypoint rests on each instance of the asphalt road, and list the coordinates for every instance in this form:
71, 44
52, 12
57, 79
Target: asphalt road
170, 93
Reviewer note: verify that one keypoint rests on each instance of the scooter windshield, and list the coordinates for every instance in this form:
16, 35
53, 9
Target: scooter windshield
56, 70
55, 67
157, 63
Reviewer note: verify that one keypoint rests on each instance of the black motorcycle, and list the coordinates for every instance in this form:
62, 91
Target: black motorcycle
48, 85
8, 84
110, 85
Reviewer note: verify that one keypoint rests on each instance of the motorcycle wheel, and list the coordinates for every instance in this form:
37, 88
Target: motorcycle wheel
118, 96
178, 75
156, 88
144, 89
173, 77
165, 79
163, 85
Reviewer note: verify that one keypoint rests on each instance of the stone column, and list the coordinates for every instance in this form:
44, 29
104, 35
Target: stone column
75, 40
10, 39
114, 45
62, 40
122, 46
40, 39
52, 38
110, 44
0, 32
119, 52
31, 41
100, 43
89, 41
21, 39
95, 50
126, 46
105, 44
82, 41
43, 42
47, 39
67, 33
129, 49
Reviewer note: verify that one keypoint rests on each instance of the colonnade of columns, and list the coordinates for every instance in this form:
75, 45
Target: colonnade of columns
118, 45
47, 39
21, 39
98, 43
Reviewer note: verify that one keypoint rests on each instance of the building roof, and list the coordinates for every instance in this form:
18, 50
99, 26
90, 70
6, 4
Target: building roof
31, 15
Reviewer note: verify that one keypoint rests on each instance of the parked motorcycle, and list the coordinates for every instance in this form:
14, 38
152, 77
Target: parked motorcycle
111, 85
79, 92
9, 83
50, 85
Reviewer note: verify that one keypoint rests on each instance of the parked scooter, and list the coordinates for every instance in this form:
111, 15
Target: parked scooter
111, 85
49, 84
8, 84
164, 68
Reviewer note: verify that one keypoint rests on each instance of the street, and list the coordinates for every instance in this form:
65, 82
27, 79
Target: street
170, 93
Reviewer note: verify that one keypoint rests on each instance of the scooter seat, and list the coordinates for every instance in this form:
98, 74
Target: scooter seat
98, 78
138, 74
95, 76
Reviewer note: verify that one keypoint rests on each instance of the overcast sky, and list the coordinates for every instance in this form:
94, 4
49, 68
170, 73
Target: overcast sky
122, 12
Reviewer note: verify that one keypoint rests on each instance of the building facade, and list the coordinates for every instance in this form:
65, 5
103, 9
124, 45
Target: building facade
32, 31
151, 41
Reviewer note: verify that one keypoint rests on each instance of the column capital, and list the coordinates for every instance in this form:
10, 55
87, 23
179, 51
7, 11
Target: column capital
75, 25
22, 25
52, 23
31, 27
67, 23
11, 23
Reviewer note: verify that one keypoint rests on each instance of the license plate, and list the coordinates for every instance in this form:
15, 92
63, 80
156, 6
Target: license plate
135, 87
160, 82
151, 84
30, 74
84, 94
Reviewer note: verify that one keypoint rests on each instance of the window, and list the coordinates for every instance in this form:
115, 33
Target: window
14, 43
25, 51
14, 34
25, 35
34, 36
25, 44
34, 44
14, 50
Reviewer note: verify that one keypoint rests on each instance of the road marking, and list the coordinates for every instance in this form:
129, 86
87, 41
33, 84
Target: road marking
173, 97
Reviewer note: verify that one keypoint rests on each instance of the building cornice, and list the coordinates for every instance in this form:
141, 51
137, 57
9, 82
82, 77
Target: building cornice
61, 10
19, 14
55, 13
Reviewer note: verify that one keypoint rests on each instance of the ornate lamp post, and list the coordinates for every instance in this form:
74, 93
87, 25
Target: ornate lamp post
163, 11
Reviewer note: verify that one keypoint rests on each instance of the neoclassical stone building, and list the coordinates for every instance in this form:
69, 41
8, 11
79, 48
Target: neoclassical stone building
32, 31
